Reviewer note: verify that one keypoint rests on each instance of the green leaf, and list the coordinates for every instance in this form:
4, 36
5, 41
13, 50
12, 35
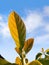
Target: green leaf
35, 62
3, 61
44, 61
28, 45
38, 55
47, 51
17, 29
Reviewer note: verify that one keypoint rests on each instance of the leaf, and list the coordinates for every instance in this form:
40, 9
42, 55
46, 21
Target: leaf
18, 61
38, 55
28, 45
18, 50
47, 50
3, 61
35, 62
10, 64
17, 29
44, 61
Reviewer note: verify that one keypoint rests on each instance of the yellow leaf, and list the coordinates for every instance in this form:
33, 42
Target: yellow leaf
17, 29
18, 61
28, 45
47, 50
35, 62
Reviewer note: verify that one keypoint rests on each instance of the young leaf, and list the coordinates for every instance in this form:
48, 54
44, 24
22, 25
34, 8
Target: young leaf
17, 29
18, 51
28, 45
18, 61
35, 62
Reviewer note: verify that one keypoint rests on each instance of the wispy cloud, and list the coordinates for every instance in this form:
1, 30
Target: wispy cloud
47, 28
4, 31
33, 20
46, 10
36, 19
42, 39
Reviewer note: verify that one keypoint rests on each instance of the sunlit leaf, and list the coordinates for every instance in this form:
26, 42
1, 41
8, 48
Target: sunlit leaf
36, 62
18, 61
28, 45
18, 50
17, 29
47, 51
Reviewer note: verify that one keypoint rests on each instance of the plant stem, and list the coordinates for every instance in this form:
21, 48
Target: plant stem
22, 61
22, 57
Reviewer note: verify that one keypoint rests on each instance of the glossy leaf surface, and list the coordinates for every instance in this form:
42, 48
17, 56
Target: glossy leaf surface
17, 29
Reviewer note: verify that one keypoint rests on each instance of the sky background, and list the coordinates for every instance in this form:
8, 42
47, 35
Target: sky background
35, 14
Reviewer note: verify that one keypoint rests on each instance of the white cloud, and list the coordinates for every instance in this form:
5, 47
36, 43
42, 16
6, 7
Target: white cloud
47, 28
4, 31
0, 17
36, 19
46, 10
42, 39
33, 20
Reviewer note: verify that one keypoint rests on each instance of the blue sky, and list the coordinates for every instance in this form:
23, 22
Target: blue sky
35, 14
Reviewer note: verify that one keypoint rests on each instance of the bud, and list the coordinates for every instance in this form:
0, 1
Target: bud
26, 60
